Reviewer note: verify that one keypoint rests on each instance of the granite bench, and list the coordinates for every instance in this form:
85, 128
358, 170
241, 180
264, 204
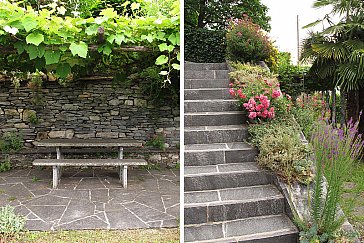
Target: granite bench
60, 162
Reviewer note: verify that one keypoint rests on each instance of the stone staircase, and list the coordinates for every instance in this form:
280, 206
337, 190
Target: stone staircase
227, 197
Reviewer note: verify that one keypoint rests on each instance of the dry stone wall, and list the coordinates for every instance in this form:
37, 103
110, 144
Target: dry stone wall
86, 109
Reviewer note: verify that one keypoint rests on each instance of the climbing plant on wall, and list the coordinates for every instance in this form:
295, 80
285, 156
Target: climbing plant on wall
61, 45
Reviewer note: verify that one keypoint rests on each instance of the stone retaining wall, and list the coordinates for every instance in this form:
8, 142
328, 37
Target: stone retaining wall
85, 109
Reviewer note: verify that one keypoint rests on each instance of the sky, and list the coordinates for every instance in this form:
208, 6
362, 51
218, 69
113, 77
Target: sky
283, 15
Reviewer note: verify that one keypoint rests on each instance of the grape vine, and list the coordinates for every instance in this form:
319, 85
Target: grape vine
60, 44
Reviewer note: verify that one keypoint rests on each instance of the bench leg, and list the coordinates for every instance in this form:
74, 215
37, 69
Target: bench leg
121, 152
123, 174
56, 175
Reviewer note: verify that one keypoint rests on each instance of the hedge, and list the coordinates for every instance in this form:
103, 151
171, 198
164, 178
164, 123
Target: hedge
203, 45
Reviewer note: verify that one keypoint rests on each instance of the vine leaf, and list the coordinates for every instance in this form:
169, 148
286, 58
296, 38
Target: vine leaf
109, 12
52, 57
35, 51
107, 50
35, 38
176, 66
91, 30
161, 36
79, 49
19, 47
165, 47
100, 20
29, 23
174, 39
134, 6
119, 39
162, 59
148, 37
111, 39
63, 69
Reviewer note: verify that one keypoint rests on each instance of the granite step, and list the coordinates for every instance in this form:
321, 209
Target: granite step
211, 177
211, 105
206, 83
206, 74
232, 203
208, 94
214, 118
219, 153
215, 134
262, 229
205, 66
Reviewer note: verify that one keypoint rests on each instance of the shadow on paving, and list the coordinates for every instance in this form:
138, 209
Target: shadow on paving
92, 198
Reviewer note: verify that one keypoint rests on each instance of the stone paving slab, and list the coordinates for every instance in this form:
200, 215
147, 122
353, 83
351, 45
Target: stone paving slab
92, 198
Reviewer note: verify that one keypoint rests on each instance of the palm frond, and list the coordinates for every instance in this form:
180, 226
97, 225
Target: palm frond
330, 50
313, 24
349, 77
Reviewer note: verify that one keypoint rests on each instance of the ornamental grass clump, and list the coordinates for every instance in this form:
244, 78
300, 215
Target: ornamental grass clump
335, 149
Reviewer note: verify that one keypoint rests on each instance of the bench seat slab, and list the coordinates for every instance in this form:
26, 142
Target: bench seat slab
89, 162
88, 143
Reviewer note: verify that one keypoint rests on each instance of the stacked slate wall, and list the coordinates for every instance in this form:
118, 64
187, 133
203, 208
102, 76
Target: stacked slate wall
87, 109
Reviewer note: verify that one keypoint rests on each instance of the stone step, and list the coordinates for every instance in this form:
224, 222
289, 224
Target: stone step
218, 153
262, 229
214, 118
215, 134
206, 74
206, 83
211, 105
208, 94
211, 177
232, 203
205, 66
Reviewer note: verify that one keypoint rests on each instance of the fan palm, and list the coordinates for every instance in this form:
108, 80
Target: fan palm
337, 53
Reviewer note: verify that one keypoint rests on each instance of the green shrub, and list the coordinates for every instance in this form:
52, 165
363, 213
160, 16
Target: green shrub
245, 42
11, 142
281, 150
157, 141
5, 165
307, 111
202, 45
10, 223
245, 69
33, 118
297, 79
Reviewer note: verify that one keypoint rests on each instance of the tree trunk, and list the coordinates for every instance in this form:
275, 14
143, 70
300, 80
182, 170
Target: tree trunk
352, 105
201, 16
343, 97
360, 109
333, 105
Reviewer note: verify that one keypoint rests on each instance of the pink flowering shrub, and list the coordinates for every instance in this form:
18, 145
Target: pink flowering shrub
260, 97
246, 42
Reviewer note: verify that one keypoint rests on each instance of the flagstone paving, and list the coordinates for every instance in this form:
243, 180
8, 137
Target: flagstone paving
92, 198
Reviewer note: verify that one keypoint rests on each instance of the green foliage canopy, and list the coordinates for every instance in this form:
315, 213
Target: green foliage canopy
61, 44
337, 52
216, 13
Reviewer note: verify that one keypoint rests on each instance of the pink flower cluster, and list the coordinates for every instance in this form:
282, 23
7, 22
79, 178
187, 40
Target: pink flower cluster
276, 94
260, 109
240, 93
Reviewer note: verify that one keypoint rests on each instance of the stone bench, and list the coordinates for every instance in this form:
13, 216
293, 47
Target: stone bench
57, 164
